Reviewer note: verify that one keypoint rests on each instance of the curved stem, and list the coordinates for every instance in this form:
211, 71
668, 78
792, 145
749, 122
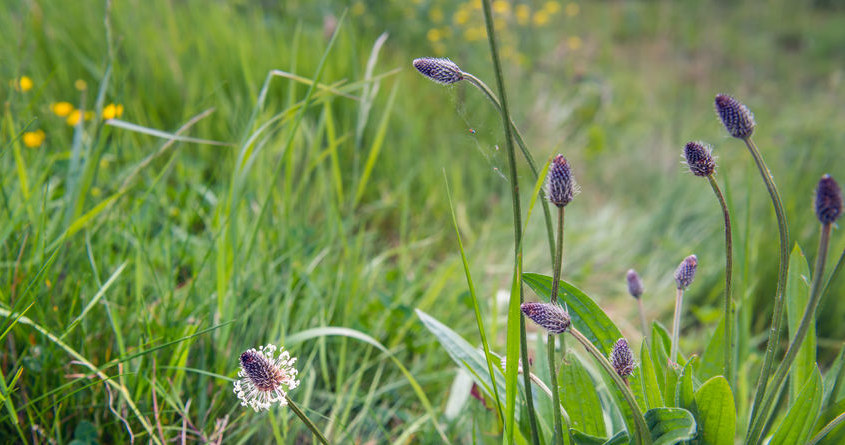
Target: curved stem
676, 326
517, 215
729, 311
783, 265
547, 215
295, 408
642, 433
759, 429
558, 261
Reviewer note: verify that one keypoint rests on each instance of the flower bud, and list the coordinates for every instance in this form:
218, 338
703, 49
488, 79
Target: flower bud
550, 316
685, 272
442, 71
736, 117
828, 200
560, 185
635, 284
699, 159
622, 358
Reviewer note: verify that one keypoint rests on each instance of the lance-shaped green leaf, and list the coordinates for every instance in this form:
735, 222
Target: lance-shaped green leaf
581, 438
651, 386
716, 412
578, 395
670, 425
797, 294
796, 425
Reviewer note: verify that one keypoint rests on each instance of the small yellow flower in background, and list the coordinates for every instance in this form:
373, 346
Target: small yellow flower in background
501, 7
112, 111
61, 109
461, 16
34, 139
24, 83
475, 33
74, 117
552, 7
359, 8
541, 18
436, 15
476, 4
80, 85
523, 14
433, 35
96, 191
572, 9
574, 43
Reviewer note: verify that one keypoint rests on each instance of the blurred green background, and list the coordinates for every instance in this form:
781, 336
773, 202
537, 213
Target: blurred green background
125, 245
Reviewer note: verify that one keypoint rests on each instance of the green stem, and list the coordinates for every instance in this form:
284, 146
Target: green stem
783, 265
295, 408
517, 216
642, 319
827, 429
558, 261
808, 319
676, 325
642, 433
729, 311
547, 215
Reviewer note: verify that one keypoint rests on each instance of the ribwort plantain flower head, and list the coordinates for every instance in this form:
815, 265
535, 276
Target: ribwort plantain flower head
736, 117
699, 159
685, 272
560, 185
828, 200
635, 284
265, 378
442, 71
622, 358
550, 316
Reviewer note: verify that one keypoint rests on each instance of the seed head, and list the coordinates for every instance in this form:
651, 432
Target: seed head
442, 71
699, 159
550, 316
635, 284
685, 272
736, 117
622, 358
828, 200
264, 378
560, 185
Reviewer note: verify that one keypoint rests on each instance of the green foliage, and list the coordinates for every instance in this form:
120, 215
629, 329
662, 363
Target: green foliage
714, 408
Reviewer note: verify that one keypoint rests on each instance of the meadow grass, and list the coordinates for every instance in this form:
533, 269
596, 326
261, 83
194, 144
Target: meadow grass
137, 266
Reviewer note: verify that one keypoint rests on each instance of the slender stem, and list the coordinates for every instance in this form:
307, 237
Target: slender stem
827, 429
783, 265
642, 319
808, 319
642, 433
558, 261
729, 311
547, 215
517, 216
295, 408
676, 326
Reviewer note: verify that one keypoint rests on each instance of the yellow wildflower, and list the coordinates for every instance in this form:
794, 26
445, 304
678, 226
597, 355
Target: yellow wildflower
24, 84
96, 191
112, 111
476, 4
523, 14
541, 18
461, 16
552, 7
436, 15
574, 43
501, 7
74, 117
475, 33
572, 9
80, 85
34, 139
433, 35
61, 109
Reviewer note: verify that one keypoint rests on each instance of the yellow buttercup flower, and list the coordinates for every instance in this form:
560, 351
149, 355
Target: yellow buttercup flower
80, 85
24, 83
574, 43
501, 7
34, 139
74, 117
61, 109
461, 16
552, 7
541, 18
523, 14
436, 15
112, 111
434, 35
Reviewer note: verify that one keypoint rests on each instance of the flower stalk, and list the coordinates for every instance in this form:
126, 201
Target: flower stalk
729, 307
558, 260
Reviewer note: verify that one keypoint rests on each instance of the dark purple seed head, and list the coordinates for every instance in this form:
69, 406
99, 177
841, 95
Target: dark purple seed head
828, 200
442, 71
549, 316
685, 272
699, 159
263, 374
560, 185
622, 358
736, 117
635, 284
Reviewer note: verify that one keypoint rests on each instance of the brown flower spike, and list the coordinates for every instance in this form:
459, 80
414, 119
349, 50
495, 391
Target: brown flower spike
699, 159
622, 358
442, 71
550, 316
685, 272
828, 200
635, 284
736, 117
560, 185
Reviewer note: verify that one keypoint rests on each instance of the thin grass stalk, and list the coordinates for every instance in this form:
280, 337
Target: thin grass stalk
558, 261
316, 431
642, 433
547, 214
676, 325
517, 216
729, 310
643, 320
759, 429
783, 265
827, 429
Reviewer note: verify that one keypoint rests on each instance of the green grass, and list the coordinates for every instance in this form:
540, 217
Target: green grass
151, 258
